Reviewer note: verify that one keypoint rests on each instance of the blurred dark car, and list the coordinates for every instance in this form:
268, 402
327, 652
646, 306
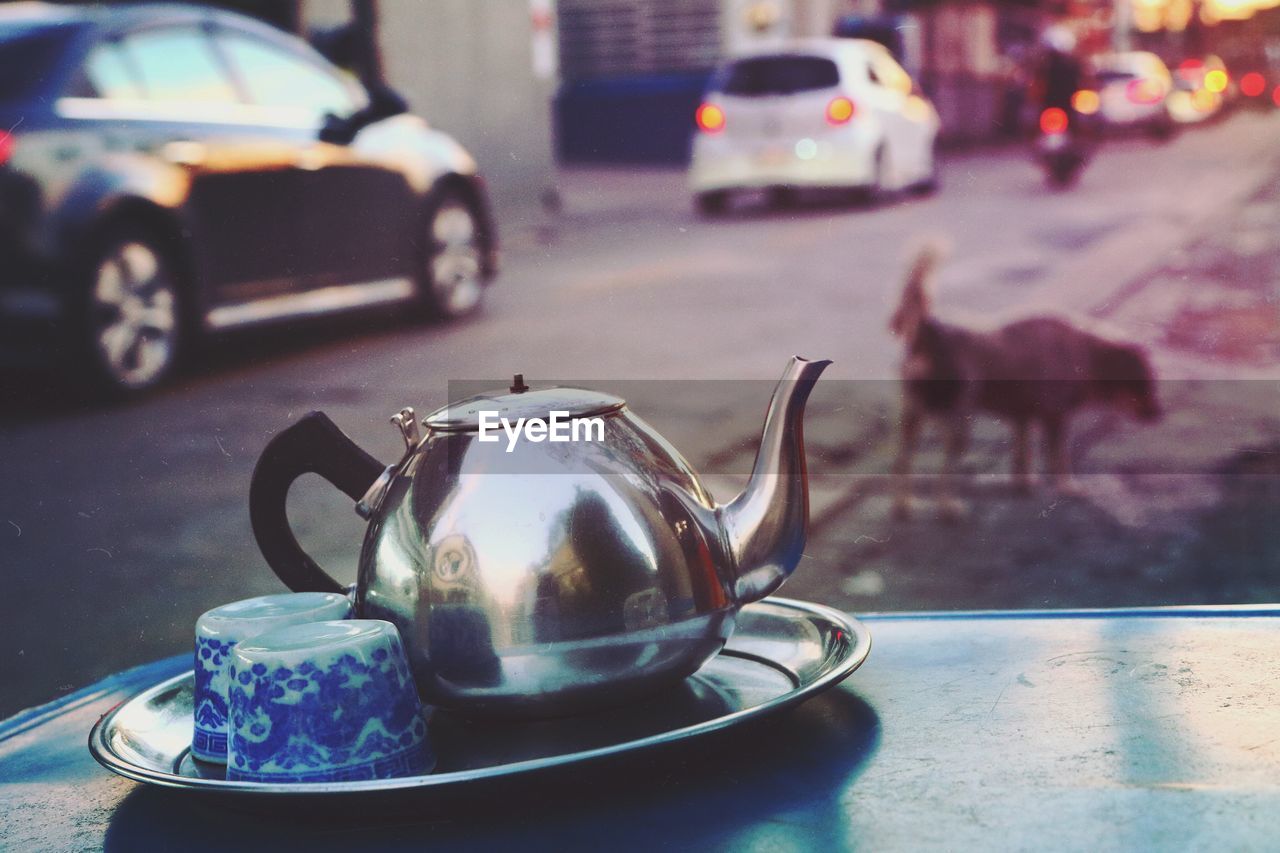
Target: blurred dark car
1201, 90
169, 171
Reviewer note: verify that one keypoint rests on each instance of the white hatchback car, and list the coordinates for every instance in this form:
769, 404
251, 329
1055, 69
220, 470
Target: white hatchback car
1134, 91
837, 113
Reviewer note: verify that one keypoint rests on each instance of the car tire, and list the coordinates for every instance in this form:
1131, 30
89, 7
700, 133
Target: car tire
453, 275
1062, 174
132, 328
711, 203
1162, 131
875, 191
933, 182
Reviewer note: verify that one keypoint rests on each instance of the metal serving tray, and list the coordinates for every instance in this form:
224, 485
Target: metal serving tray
782, 653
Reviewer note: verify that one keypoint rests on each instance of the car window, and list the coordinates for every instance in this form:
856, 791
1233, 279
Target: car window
109, 74
1109, 76
179, 65
276, 78
779, 75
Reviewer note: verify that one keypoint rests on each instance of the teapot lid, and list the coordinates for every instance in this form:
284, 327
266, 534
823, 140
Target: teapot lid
522, 402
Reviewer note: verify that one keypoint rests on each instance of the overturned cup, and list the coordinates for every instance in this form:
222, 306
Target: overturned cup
325, 702
217, 633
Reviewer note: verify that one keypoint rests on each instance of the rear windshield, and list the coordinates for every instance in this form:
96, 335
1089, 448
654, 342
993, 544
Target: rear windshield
1109, 76
778, 75
27, 56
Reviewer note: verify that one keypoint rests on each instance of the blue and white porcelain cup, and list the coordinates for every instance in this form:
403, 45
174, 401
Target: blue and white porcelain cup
325, 702
220, 629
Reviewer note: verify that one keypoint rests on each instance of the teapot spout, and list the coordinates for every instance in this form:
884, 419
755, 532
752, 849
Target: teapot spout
766, 525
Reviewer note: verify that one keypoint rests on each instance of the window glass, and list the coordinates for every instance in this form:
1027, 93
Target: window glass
276, 78
179, 65
110, 74
779, 75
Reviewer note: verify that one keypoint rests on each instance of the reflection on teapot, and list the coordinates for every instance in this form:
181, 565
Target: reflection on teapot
542, 578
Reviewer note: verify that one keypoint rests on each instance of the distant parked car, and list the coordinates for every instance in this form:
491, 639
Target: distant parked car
1133, 92
1200, 92
169, 171
835, 113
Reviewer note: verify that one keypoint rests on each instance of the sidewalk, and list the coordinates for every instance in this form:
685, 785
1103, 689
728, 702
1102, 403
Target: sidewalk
1181, 512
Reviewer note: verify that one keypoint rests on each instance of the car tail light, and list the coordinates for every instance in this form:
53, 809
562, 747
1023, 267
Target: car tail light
1216, 81
6, 147
1253, 84
1144, 91
1053, 120
710, 118
1190, 64
1085, 102
839, 111
1275, 96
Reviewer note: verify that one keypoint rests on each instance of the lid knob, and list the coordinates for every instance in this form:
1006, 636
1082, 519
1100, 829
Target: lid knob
517, 384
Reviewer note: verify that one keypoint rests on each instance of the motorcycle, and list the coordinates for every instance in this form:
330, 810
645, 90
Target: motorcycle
1062, 146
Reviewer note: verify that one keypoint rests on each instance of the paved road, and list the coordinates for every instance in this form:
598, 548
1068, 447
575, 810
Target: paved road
118, 526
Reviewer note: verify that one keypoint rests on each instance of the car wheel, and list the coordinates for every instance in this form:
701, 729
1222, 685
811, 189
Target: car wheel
453, 283
1161, 131
876, 189
712, 203
1062, 173
131, 330
933, 181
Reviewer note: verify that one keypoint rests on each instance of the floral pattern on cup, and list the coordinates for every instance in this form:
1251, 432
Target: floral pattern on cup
325, 702
217, 632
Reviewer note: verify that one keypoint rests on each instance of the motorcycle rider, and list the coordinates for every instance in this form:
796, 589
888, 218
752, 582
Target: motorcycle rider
1061, 72
1062, 147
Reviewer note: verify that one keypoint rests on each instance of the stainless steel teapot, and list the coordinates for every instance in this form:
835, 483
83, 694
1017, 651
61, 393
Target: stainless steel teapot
534, 578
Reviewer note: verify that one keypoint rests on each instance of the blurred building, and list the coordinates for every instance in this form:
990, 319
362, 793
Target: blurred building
633, 71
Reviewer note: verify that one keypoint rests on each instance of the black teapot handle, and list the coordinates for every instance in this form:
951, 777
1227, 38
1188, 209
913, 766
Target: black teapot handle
314, 445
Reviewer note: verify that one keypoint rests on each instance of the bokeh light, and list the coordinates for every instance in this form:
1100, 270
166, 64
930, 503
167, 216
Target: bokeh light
1086, 102
710, 118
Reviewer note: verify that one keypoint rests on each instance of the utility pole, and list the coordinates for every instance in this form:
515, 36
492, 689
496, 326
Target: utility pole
1122, 26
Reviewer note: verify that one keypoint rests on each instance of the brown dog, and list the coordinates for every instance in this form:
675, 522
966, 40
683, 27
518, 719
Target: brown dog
1037, 370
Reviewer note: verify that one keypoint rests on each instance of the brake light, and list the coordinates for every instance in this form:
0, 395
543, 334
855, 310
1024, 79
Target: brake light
1085, 102
1216, 81
1275, 96
1144, 91
710, 118
1053, 120
1190, 64
839, 111
1253, 84
6, 146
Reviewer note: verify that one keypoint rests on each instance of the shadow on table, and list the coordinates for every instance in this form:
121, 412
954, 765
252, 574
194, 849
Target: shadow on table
773, 782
